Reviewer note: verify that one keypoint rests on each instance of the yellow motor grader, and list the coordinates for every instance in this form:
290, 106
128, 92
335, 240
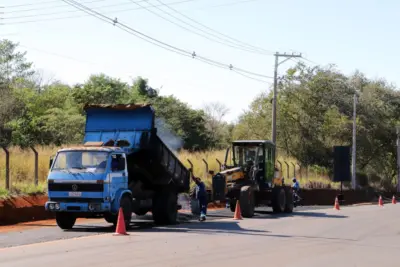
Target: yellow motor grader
251, 177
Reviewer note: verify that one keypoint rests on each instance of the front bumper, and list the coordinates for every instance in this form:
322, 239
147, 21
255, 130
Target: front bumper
97, 207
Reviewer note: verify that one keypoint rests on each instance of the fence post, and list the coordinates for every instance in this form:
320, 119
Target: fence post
287, 169
294, 169
36, 165
206, 169
7, 167
220, 164
299, 170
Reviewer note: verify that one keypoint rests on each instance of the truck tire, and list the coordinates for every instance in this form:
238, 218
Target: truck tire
110, 218
232, 205
289, 200
247, 201
141, 212
279, 199
126, 205
65, 220
165, 208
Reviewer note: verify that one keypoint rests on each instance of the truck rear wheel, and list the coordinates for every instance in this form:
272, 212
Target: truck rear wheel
279, 200
289, 200
232, 205
165, 208
247, 201
141, 212
65, 220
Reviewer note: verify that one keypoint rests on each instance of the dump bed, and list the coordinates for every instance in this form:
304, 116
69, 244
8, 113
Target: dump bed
132, 128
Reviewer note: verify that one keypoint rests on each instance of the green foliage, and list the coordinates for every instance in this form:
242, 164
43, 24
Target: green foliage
101, 89
315, 109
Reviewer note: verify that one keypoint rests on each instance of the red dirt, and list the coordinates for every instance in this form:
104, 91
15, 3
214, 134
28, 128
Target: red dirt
23, 209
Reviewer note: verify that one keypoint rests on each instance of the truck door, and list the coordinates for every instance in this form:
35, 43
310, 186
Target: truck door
118, 174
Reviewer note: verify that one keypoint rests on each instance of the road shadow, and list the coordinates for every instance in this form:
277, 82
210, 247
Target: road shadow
137, 223
300, 214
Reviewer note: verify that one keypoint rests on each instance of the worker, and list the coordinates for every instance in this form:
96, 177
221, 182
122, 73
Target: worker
296, 189
201, 196
296, 185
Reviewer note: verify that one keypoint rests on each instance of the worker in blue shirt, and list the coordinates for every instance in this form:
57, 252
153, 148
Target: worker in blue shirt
296, 185
201, 196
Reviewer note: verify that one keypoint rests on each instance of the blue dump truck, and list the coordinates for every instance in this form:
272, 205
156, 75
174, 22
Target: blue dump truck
122, 163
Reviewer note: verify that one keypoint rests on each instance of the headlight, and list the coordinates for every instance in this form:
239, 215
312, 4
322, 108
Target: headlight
51, 206
57, 206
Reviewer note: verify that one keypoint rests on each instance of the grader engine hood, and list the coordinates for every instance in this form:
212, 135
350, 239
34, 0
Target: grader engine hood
233, 174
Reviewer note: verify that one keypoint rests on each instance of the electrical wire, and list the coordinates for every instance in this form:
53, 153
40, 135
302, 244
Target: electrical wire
77, 11
223, 41
154, 41
45, 7
249, 77
211, 29
86, 15
58, 55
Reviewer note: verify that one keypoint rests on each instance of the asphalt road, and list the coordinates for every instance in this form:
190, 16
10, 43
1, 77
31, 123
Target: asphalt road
354, 236
45, 231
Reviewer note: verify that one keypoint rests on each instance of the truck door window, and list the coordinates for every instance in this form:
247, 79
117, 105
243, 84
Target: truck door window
117, 163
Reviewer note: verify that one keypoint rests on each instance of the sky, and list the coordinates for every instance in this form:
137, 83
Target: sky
69, 45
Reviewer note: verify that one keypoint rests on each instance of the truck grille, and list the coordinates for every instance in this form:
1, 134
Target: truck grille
76, 187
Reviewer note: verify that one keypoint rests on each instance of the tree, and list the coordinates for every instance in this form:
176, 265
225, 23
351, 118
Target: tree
315, 107
219, 131
14, 68
101, 89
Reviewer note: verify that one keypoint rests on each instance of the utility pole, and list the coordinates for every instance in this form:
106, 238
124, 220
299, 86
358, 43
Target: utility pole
277, 63
353, 150
398, 157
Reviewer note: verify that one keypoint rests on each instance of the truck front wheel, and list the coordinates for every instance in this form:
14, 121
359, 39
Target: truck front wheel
65, 220
126, 205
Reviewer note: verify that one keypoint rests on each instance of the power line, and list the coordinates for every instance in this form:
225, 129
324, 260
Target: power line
233, 3
249, 77
77, 11
58, 55
211, 29
32, 4
152, 40
45, 7
86, 15
223, 41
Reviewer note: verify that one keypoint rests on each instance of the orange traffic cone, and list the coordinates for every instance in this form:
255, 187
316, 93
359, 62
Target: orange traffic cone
380, 202
121, 229
394, 200
238, 213
336, 206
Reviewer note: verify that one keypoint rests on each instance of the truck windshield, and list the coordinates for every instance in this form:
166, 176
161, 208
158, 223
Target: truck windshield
243, 154
81, 161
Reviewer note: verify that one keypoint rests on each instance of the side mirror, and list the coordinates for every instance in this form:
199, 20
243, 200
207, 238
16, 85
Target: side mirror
51, 162
211, 172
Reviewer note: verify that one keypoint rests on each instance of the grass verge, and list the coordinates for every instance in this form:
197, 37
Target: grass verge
22, 170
